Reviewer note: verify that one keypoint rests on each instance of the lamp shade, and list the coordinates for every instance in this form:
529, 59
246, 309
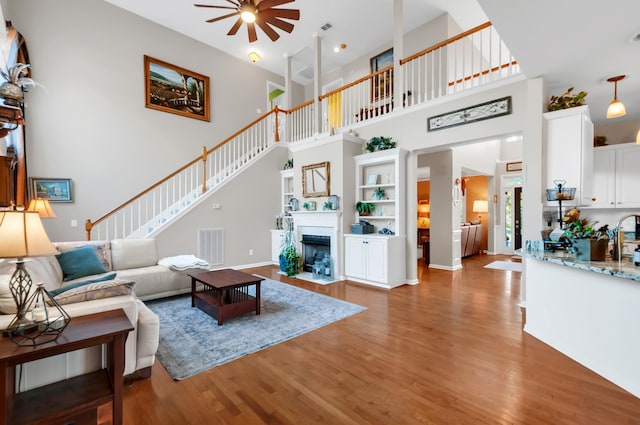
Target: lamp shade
423, 209
480, 206
23, 235
42, 207
616, 109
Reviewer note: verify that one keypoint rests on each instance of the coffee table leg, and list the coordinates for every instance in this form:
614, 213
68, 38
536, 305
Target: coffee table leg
193, 291
257, 298
220, 294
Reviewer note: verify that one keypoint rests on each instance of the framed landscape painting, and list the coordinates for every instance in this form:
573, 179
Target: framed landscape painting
176, 90
382, 84
55, 190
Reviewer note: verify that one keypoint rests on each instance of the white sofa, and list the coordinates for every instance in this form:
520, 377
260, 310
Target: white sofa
133, 260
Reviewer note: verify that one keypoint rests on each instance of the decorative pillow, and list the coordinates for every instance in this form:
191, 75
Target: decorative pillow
74, 285
94, 291
102, 248
80, 262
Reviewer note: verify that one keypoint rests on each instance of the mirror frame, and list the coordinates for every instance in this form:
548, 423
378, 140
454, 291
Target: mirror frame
317, 188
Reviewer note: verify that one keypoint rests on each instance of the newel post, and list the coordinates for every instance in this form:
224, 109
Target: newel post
277, 135
88, 225
204, 169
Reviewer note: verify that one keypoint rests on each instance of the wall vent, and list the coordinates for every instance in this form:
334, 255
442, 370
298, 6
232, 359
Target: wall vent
326, 26
211, 246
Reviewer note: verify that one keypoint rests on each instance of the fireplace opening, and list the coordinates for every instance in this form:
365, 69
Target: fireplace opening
314, 248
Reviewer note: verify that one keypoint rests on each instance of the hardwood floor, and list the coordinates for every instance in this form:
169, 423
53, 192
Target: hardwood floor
450, 350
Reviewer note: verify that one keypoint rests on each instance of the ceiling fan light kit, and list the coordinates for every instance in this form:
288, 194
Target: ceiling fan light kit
616, 108
262, 13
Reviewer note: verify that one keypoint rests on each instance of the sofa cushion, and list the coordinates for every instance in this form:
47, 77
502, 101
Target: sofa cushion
102, 249
103, 278
94, 291
133, 253
80, 262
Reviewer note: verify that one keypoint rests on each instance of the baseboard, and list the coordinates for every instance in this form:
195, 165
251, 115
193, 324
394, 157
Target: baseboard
448, 268
247, 266
413, 282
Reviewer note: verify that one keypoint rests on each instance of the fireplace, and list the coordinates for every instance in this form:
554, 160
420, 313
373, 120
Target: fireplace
328, 225
314, 248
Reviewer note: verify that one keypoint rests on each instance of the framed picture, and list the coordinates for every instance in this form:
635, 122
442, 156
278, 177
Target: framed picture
482, 111
55, 190
372, 179
514, 166
382, 84
316, 180
176, 90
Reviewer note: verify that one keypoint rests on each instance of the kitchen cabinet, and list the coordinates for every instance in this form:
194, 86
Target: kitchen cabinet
568, 151
377, 260
616, 174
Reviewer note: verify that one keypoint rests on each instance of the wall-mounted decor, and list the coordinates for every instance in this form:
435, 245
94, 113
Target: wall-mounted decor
176, 90
382, 84
482, 111
55, 190
514, 166
315, 180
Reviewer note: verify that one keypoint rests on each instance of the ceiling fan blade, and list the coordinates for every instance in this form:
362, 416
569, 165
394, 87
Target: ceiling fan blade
235, 3
251, 28
215, 7
266, 4
221, 17
282, 13
273, 35
234, 29
284, 26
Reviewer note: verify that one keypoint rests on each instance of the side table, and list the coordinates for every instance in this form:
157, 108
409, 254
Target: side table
76, 399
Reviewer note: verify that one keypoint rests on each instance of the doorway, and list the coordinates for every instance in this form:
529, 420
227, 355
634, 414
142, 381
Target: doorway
511, 237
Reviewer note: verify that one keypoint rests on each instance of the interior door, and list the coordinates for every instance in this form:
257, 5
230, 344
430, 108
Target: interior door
517, 217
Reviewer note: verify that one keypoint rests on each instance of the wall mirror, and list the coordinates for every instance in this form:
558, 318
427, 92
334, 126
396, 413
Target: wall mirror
315, 180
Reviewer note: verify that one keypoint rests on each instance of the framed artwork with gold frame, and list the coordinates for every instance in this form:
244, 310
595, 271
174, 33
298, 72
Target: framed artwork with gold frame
316, 180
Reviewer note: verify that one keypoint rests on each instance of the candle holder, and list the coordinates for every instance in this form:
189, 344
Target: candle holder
42, 320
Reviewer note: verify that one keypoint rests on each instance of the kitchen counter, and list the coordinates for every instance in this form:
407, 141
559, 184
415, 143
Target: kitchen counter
588, 310
624, 269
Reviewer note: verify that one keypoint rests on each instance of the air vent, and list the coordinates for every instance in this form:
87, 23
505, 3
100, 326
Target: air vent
326, 26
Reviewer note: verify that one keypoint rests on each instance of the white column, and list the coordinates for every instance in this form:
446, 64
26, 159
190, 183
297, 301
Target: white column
398, 46
288, 99
317, 83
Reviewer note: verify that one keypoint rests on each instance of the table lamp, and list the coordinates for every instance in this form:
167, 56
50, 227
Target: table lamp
42, 207
39, 318
480, 206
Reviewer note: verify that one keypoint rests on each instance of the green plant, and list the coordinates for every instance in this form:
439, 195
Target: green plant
566, 100
288, 165
365, 208
289, 258
379, 144
584, 228
379, 193
326, 206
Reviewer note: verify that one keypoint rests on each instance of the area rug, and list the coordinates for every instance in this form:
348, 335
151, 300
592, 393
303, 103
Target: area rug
191, 341
505, 265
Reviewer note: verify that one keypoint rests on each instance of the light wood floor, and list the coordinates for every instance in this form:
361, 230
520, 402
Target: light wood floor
450, 350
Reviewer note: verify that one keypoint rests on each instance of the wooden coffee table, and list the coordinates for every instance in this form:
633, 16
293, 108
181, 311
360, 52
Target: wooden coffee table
225, 293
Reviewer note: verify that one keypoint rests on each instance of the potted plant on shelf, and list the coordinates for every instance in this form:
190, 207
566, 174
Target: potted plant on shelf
566, 100
365, 208
12, 90
587, 242
379, 144
289, 258
379, 193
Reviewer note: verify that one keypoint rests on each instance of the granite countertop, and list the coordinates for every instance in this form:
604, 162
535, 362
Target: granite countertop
624, 269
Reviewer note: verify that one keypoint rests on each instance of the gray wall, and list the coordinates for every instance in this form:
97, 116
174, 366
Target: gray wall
90, 123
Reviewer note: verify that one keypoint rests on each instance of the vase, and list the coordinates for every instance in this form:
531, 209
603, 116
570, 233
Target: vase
590, 249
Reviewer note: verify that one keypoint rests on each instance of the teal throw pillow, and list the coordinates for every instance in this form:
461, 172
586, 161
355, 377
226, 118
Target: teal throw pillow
80, 262
74, 285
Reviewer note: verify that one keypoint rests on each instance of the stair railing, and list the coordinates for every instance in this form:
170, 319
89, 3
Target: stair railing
161, 202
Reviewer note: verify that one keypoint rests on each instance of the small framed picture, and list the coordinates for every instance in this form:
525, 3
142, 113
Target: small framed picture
55, 190
372, 179
514, 166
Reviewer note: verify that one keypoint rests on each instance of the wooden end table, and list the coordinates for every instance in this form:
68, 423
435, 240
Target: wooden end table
225, 293
73, 400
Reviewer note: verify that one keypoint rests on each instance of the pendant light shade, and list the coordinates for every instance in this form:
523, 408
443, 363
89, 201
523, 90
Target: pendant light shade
616, 108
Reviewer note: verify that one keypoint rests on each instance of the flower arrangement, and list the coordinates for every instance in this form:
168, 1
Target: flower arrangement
12, 90
566, 100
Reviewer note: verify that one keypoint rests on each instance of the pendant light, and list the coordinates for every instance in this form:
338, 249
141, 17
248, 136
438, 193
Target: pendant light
616, 108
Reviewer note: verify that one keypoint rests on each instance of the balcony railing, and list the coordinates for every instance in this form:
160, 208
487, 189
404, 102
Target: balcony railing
470, 59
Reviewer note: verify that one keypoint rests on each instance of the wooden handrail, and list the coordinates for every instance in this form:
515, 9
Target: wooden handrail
89, 224
356, 82
485, 72
444, 43
297, 108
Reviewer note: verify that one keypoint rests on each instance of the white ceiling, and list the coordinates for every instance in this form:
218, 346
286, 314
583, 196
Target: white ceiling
570, 42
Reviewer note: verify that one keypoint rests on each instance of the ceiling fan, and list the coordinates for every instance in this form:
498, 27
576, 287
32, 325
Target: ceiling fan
261, 12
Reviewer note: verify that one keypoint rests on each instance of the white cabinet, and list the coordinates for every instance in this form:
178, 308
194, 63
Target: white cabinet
286, 178
569, 152
383, 171
616, 175
277, 237
378, 260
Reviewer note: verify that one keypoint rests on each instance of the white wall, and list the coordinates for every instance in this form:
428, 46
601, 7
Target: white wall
618, 131
91, 125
